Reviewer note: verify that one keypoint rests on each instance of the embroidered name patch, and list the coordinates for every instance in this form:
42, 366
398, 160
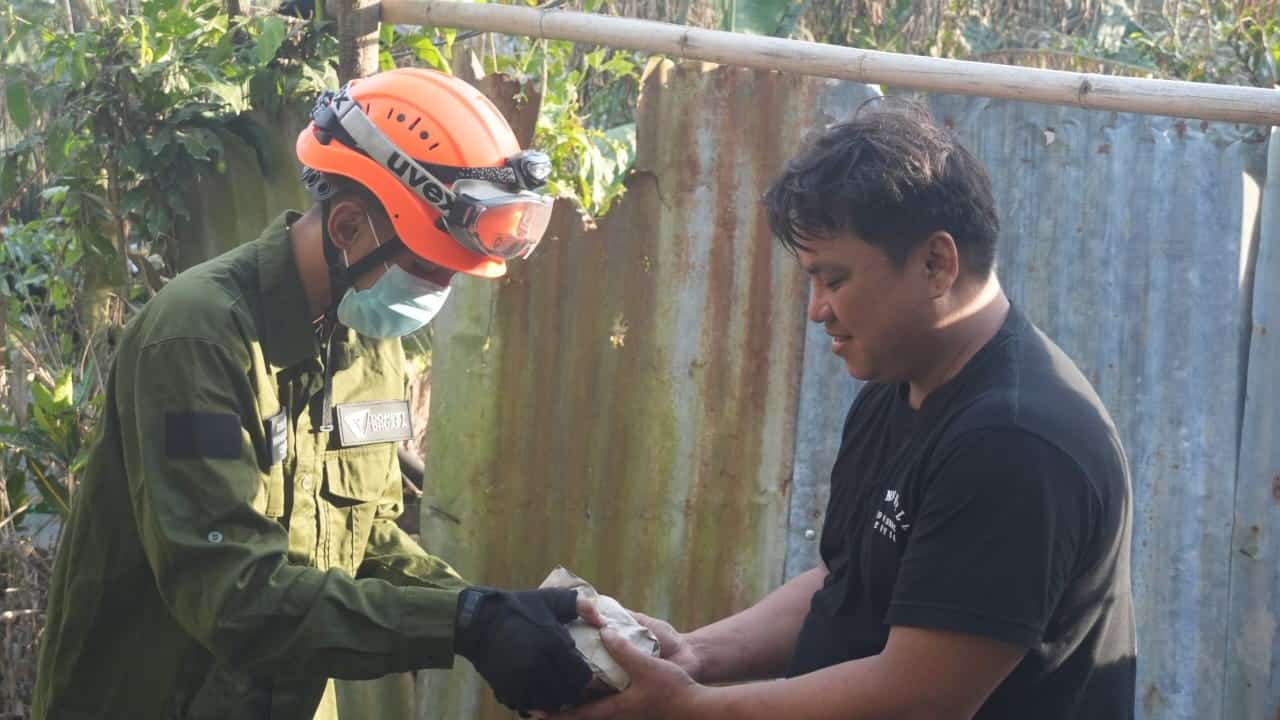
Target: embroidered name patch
365, 423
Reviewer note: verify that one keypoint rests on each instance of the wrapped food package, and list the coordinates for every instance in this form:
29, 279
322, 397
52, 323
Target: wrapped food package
609, 676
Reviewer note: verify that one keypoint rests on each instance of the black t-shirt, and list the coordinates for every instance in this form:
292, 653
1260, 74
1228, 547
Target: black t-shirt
1000, 508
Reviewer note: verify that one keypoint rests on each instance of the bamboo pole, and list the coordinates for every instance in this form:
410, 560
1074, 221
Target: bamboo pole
1055, 87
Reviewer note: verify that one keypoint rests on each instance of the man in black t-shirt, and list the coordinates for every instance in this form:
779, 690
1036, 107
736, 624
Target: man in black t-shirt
975, 553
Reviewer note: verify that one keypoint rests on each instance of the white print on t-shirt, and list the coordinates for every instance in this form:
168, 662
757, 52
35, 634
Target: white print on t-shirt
893, 520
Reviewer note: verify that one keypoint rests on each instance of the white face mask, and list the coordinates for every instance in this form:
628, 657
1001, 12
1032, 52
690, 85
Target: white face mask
396, 305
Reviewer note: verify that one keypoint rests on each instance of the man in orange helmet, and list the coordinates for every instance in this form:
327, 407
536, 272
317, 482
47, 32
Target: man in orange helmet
233, 543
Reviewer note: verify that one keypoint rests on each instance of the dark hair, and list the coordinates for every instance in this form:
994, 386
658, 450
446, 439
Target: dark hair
893, 177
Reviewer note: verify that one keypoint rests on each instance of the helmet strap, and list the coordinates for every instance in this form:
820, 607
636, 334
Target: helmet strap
341, 275
341, 278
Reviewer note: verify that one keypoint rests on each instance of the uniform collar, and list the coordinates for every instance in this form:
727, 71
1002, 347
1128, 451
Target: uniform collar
287, 336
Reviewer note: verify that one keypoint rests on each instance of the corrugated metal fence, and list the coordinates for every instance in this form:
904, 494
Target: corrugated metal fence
626, 403
1126, 241
643, 402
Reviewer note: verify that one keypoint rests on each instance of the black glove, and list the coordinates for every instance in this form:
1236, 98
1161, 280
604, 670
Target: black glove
517, 641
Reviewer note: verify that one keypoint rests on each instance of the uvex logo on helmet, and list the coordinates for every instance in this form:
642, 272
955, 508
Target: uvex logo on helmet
431, 190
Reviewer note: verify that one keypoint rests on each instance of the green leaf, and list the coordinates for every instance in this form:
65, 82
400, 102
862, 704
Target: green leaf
620, 66
100, 244
623, 140
54, 193
230, 93
199, 142
145, 54
86, 384
25, 440
53, 491
59, 296
270, 38
42, 397
595, 58
79, 68
45, 421
63, 391
133, 200
82, 459
9, 176
157, 143
158, 221
426, 50
18, 101
17, 492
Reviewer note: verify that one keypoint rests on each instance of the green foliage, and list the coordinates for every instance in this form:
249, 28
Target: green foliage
591, 162
757, 17
125, 115
430, 47
1223, 42
103, 133
586, 118
40, 273
1235, 42
54, 448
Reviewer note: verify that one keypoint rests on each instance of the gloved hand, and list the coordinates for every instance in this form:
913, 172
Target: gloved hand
517, 641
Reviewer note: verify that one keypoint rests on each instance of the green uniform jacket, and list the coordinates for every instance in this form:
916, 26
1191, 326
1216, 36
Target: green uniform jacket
198, 577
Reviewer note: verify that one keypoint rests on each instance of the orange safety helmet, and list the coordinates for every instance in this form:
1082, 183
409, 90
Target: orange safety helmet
441, 127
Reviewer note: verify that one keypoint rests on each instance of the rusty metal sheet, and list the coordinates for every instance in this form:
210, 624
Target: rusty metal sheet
625, 402
826, 392
641, 401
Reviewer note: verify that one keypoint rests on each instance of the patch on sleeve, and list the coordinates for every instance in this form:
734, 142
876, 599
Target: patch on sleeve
192, 435
277, 428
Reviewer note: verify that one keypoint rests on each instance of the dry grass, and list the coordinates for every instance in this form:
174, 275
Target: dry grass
25, 572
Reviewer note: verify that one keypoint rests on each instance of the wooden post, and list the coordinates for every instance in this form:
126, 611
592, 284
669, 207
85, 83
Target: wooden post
357, 38
1055, 87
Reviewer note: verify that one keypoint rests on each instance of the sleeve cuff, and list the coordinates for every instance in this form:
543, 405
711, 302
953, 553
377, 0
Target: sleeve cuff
427, 618
939, 617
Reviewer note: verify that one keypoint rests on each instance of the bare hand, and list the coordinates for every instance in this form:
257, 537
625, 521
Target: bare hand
673, 645
658, 688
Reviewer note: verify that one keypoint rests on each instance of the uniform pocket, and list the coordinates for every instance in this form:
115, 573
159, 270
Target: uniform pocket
354, 483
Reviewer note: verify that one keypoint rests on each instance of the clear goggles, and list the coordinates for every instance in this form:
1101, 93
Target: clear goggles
494, 221
488, 210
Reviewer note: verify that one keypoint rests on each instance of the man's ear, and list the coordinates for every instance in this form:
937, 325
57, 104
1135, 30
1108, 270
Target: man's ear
346, 219
941, 263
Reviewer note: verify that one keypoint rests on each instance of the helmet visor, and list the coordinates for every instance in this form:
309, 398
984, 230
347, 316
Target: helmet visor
501, 223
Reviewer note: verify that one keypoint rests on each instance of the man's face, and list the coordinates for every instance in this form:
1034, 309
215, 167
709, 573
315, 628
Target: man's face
377, 231
878, 315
